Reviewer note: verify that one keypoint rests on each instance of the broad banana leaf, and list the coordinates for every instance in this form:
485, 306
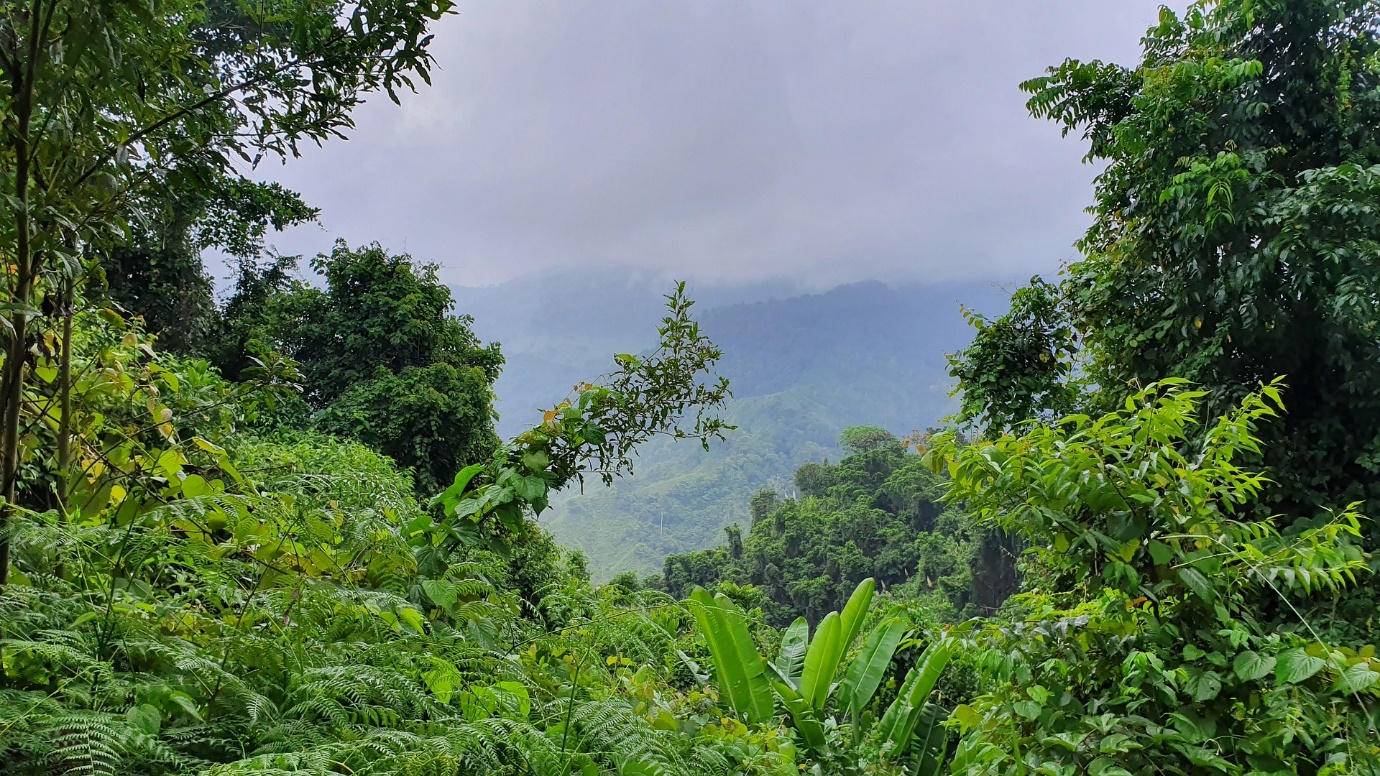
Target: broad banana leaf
802, 717
855, 611
869, 668
790, 661
822, 661
901, 718
738, 667
931, 742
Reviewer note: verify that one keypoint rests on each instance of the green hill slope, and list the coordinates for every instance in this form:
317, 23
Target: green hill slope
802, 367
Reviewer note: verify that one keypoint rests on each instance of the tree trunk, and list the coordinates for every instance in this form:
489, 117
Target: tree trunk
12, 379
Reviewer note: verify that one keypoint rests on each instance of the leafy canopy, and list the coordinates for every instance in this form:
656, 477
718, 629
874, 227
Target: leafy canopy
1141, 643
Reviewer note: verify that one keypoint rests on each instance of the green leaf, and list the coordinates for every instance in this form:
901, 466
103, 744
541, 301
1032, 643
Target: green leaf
854, 612
802, 717
1194, 580
1027, 709
821, 661
869, 668
1204, 686
145, 718
1295, 666
967, 716
1160, 552
194, 486
790, 660
412, 619
901, 717
741, 676
442, 592
593, 434
530, 488
1355, 678
1250, 666
536, 461
185, 702
930, 742
441, 679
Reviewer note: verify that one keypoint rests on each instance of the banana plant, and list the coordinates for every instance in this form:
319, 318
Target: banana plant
805, 671
911, 712
737, 666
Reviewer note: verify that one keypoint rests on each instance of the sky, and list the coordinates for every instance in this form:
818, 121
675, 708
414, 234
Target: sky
724, 141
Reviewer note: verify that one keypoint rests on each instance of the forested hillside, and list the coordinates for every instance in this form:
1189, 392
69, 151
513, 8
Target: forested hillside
803, 368
281, 534
877, 514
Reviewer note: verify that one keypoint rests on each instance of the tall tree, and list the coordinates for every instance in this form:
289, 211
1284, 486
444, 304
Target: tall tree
1236, 236
384, 359
157, 271
99, 98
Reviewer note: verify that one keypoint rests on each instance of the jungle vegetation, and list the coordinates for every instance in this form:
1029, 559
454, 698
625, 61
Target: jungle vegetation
281, 535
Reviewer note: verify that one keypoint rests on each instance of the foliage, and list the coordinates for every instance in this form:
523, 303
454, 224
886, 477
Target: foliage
803, 367
383, 359
804, 672
596, 431
1018, 366
1141, 643
1235, 232
100, 101
238, 604
876, 514
157, 273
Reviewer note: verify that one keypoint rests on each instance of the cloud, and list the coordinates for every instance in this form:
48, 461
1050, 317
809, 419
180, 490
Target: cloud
725, 141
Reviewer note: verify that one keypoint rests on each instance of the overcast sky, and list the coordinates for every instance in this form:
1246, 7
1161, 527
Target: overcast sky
725, 141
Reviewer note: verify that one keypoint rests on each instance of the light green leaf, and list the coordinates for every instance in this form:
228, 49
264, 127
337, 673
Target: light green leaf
869, 668
854, 612
1295, 666
1355, 678
822, 661
739, 669
194, 486
790, 660
442, 592
1250, 666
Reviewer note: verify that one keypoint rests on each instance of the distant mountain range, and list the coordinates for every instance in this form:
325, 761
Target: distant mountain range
803, 367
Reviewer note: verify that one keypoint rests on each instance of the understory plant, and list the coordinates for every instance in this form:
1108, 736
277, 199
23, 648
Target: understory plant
1159, 628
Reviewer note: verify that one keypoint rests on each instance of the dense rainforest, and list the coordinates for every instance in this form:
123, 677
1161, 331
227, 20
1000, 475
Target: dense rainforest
280, 533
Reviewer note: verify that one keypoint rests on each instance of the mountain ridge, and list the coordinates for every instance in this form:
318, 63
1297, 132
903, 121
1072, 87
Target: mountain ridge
802, 366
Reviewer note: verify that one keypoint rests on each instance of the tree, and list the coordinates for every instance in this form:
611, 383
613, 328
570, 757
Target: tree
1235, 234
378, 310
1142, 645
157, 271
865, 439
100, 98
384, 359
1018, 366
877, 515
